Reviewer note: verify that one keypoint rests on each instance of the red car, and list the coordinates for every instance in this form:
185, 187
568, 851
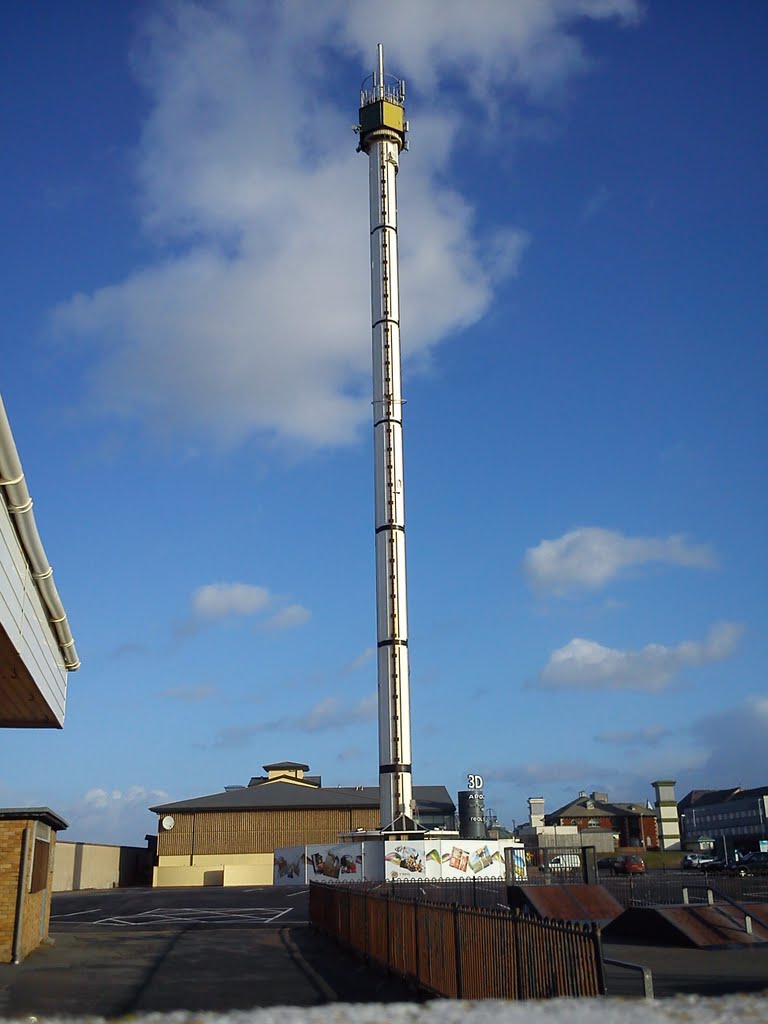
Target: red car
629, 864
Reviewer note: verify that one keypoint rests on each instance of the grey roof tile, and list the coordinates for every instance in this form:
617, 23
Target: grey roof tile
276, 795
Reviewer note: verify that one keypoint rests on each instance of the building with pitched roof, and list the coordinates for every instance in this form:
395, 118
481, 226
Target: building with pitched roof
228, 838
635, 824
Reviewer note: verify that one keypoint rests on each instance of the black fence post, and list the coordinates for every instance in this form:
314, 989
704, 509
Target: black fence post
518, 955
365, 927
599, 964
457, 953
417, 968
387, 901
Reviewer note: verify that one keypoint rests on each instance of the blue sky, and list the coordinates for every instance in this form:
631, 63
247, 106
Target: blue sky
187, 373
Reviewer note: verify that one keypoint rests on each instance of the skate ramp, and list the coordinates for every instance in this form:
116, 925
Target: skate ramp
705, 926
567, 902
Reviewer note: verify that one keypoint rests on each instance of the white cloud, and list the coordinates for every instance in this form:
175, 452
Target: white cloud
533, 774
287, 618
590, 556
113, 816
358, 662
252, 319
585, 664
648, 736
529, 44
214, 602
328, 714
219, 600
333, 713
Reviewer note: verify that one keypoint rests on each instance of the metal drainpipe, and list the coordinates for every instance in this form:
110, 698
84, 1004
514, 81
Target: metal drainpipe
20, 894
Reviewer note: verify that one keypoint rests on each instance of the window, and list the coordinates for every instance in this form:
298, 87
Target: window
593, 823
40, 855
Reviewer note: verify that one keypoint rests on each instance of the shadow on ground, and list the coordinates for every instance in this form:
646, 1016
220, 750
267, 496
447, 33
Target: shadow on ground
114, 973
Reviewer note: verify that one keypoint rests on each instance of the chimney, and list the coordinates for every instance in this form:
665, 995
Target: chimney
536, 811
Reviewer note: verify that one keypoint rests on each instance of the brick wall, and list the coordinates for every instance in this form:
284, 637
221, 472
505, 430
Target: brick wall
37, 905
11, 833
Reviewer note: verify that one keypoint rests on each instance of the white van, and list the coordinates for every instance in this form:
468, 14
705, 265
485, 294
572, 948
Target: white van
565, 862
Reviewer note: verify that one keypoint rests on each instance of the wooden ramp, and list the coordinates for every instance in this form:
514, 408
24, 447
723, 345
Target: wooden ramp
703, 926
566, 902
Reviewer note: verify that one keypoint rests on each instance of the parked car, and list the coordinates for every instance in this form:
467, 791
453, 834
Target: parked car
754, 864
628, 864
605, 863
698, 860
565, 862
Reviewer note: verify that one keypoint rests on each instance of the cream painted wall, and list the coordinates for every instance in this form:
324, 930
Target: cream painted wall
213, 869
85, 866
250, 874
177, 875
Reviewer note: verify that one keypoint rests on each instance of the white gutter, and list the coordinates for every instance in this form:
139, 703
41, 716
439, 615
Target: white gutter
19, 505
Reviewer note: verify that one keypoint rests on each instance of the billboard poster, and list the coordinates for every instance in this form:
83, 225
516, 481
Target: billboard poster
461, 859
413, 860
290, 866
517, 855
341, 862
405, 861
471, 858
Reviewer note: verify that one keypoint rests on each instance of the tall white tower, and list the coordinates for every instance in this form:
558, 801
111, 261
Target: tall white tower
382, 136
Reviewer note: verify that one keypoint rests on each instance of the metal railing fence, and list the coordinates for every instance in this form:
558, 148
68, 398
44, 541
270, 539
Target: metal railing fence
462, 952
651, 889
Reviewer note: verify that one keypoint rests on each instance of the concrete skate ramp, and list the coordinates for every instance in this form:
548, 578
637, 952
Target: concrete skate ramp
576, 902
703, 927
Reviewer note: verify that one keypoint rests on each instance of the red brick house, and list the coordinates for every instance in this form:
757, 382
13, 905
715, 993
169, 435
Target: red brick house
636, 824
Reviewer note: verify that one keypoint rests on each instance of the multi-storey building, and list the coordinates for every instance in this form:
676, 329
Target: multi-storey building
733, 818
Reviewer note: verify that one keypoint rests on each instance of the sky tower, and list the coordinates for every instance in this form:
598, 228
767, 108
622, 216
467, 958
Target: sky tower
382, 131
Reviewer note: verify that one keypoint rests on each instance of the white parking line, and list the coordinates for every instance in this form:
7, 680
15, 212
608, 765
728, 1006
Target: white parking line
185, 915
76, 913
289, 896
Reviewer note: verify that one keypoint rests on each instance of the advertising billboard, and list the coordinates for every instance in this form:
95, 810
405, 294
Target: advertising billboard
460, 859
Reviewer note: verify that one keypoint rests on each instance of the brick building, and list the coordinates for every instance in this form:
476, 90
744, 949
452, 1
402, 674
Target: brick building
27, 841
635, 823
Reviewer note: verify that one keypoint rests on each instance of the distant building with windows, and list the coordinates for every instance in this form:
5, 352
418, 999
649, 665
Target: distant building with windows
732, 818
229, 838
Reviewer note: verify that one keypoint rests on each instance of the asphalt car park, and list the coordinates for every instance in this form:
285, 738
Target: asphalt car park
126, 951
130, 951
